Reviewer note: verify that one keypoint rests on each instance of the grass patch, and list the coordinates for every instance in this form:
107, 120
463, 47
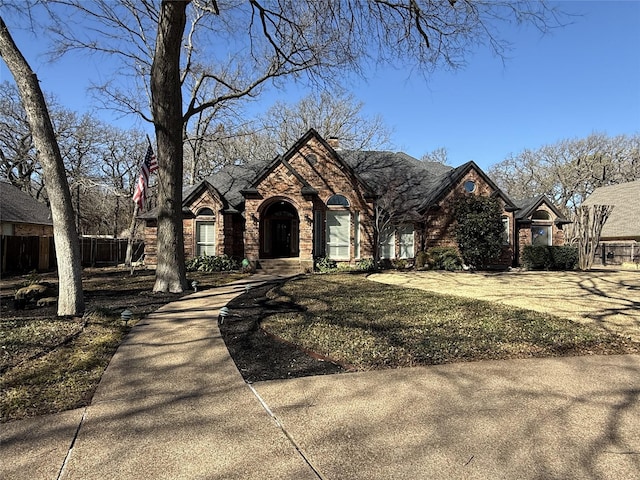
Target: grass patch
367, 325
50, 364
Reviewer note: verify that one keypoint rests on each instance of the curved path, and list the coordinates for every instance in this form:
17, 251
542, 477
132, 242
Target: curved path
172, 405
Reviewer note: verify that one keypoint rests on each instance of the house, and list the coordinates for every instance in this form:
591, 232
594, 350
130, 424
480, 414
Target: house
318, 200
27, 231
620, 237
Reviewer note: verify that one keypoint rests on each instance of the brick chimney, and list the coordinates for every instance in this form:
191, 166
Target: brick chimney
334, 142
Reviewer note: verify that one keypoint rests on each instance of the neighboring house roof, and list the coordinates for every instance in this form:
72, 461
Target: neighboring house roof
528, 206
624, 221
19, 207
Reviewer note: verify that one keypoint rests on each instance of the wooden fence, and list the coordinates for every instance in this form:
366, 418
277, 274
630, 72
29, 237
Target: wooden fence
26, 254
617, 253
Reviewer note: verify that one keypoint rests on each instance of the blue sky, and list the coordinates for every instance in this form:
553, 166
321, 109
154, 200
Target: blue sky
579, 79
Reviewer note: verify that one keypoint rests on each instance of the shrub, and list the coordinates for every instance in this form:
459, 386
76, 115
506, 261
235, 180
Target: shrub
325, 264
366, 264
206, 263
443, 258
422, 258
399, 263
543, 257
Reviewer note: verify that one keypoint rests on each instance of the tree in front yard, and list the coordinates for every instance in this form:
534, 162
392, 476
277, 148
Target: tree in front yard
585, 231
70, 296
479, 230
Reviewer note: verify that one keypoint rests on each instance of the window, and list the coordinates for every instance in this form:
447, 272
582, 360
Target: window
541, 235
205, 238
317, 234
507, 231
387, 243
406, 241
338, 234
469, 186
206, 212
338, 201
356, 232
541, 215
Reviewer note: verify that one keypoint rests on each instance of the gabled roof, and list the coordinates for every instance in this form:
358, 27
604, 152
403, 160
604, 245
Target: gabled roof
193, 192
284, 159
527, 207
19, 207
417, 184
624, 220
443, 183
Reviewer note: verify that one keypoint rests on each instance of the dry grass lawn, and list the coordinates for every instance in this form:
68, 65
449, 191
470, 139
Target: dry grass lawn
607, 298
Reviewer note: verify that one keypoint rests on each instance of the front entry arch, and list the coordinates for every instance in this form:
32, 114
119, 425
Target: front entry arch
279, 231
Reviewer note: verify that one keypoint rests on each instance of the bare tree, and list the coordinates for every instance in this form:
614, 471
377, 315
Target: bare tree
570, 170
70, 298
439, 155
245, 46
332, 115
18, 159
586, 228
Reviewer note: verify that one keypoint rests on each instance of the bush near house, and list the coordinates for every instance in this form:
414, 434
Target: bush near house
543, 257
479, 230
444, 258
206, 263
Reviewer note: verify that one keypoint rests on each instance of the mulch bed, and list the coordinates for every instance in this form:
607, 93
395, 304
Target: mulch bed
260, 356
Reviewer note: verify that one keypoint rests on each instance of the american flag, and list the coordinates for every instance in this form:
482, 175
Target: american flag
149, 166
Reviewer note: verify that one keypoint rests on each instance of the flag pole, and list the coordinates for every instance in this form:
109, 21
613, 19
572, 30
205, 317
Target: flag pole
128, 262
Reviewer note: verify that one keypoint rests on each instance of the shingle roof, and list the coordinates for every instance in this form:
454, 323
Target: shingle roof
17, 206
526, 208
416, 184
413, 181
624, 221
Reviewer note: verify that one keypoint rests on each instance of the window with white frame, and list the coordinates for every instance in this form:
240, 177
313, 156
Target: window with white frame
338, 234
205, 238
387, 243
356, 232
405, 237
506, 235
541, 235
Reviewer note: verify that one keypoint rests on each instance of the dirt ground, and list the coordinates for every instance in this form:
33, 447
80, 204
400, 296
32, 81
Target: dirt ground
607, 298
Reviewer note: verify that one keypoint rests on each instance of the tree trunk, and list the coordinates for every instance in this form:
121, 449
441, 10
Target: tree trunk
587, 225
166, 104
70, 298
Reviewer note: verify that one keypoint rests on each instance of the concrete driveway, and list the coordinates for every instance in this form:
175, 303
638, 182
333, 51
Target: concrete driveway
557, 418
607, 298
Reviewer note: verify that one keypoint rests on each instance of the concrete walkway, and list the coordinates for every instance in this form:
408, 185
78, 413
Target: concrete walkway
172, 405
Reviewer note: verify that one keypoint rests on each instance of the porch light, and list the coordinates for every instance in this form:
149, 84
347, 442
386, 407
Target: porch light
308, 219
254, 218
126, 316
247, 288
194, 285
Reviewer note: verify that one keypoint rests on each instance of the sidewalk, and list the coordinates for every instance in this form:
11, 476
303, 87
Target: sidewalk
172, 405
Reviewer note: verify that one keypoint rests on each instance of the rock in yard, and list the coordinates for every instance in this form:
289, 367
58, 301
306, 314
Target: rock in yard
32, 292
47, 301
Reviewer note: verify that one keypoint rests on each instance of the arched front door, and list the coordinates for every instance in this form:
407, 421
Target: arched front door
279, 231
